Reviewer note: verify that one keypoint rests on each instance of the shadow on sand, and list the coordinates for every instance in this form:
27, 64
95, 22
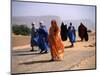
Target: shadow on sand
70, 46
24, 54
35, 62
27, 53
21, 51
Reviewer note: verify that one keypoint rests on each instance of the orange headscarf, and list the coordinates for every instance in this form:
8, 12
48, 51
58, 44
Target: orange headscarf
54, 27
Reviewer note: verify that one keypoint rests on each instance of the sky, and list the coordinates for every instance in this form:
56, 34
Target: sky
65, 12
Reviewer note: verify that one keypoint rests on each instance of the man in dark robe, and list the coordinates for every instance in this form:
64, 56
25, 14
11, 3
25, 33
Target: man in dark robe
63, 32
82, 32
34, 37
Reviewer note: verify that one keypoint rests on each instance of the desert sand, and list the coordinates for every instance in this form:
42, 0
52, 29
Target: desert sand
81, 56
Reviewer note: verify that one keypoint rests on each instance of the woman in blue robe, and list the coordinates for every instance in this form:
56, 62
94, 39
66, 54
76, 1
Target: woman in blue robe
43, 39
71, 34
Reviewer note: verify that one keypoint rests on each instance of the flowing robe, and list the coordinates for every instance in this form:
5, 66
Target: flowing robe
56, 45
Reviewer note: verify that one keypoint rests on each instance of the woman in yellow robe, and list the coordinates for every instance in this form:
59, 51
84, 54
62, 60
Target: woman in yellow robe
56, 45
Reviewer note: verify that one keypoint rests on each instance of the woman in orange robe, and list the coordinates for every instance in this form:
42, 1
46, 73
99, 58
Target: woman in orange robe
56, 45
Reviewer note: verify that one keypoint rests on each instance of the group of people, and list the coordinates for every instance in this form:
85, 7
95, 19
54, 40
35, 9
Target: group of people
68, 32
52, 41
39, 37
71, 33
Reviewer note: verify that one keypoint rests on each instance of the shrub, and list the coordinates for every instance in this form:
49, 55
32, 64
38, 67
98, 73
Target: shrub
20, 30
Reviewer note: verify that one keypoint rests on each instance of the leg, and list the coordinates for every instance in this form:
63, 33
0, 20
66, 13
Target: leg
72, 44
46, 51
41, 51
32, 49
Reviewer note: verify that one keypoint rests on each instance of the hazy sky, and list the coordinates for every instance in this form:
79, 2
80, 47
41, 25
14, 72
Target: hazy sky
64, 11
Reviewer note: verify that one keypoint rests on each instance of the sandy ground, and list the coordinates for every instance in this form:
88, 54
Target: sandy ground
18, 41
81, 56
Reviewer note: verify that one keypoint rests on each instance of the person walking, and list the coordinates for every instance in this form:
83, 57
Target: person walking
43, 38
34, 37
56, 45
71, 34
